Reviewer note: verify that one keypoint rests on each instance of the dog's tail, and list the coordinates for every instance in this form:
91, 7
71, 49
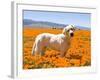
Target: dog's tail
33, 48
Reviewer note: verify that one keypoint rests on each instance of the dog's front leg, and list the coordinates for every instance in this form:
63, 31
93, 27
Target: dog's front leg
62, 54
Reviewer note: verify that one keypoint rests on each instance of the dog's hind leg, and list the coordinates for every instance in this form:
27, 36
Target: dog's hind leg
37, 51
42, 52
36, 48
33, 48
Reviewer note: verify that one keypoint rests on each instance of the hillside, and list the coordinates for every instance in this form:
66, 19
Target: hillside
45, 24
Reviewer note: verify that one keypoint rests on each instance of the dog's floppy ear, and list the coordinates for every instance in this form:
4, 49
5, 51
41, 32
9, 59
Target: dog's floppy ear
64, 31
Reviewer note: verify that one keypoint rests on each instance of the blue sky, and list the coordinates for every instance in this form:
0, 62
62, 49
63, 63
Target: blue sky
80, 19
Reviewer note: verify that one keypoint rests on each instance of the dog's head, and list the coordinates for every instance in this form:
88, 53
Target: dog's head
69, 30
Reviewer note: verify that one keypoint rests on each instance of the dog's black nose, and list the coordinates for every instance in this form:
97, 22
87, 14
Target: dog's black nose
71, 34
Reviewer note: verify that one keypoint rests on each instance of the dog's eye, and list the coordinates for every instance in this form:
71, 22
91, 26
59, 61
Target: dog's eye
71, 29
68, 30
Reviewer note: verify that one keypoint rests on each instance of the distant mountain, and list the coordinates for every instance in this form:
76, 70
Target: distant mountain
45, 24
31, 23
27, 22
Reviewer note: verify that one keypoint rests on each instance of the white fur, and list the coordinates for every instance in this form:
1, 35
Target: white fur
59, 42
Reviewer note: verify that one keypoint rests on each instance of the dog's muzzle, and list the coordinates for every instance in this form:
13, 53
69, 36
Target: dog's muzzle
71, 34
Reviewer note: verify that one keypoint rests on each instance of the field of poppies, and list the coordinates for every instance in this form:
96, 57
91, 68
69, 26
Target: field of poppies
79, 54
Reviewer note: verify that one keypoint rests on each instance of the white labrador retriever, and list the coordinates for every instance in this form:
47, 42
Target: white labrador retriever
59, 42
